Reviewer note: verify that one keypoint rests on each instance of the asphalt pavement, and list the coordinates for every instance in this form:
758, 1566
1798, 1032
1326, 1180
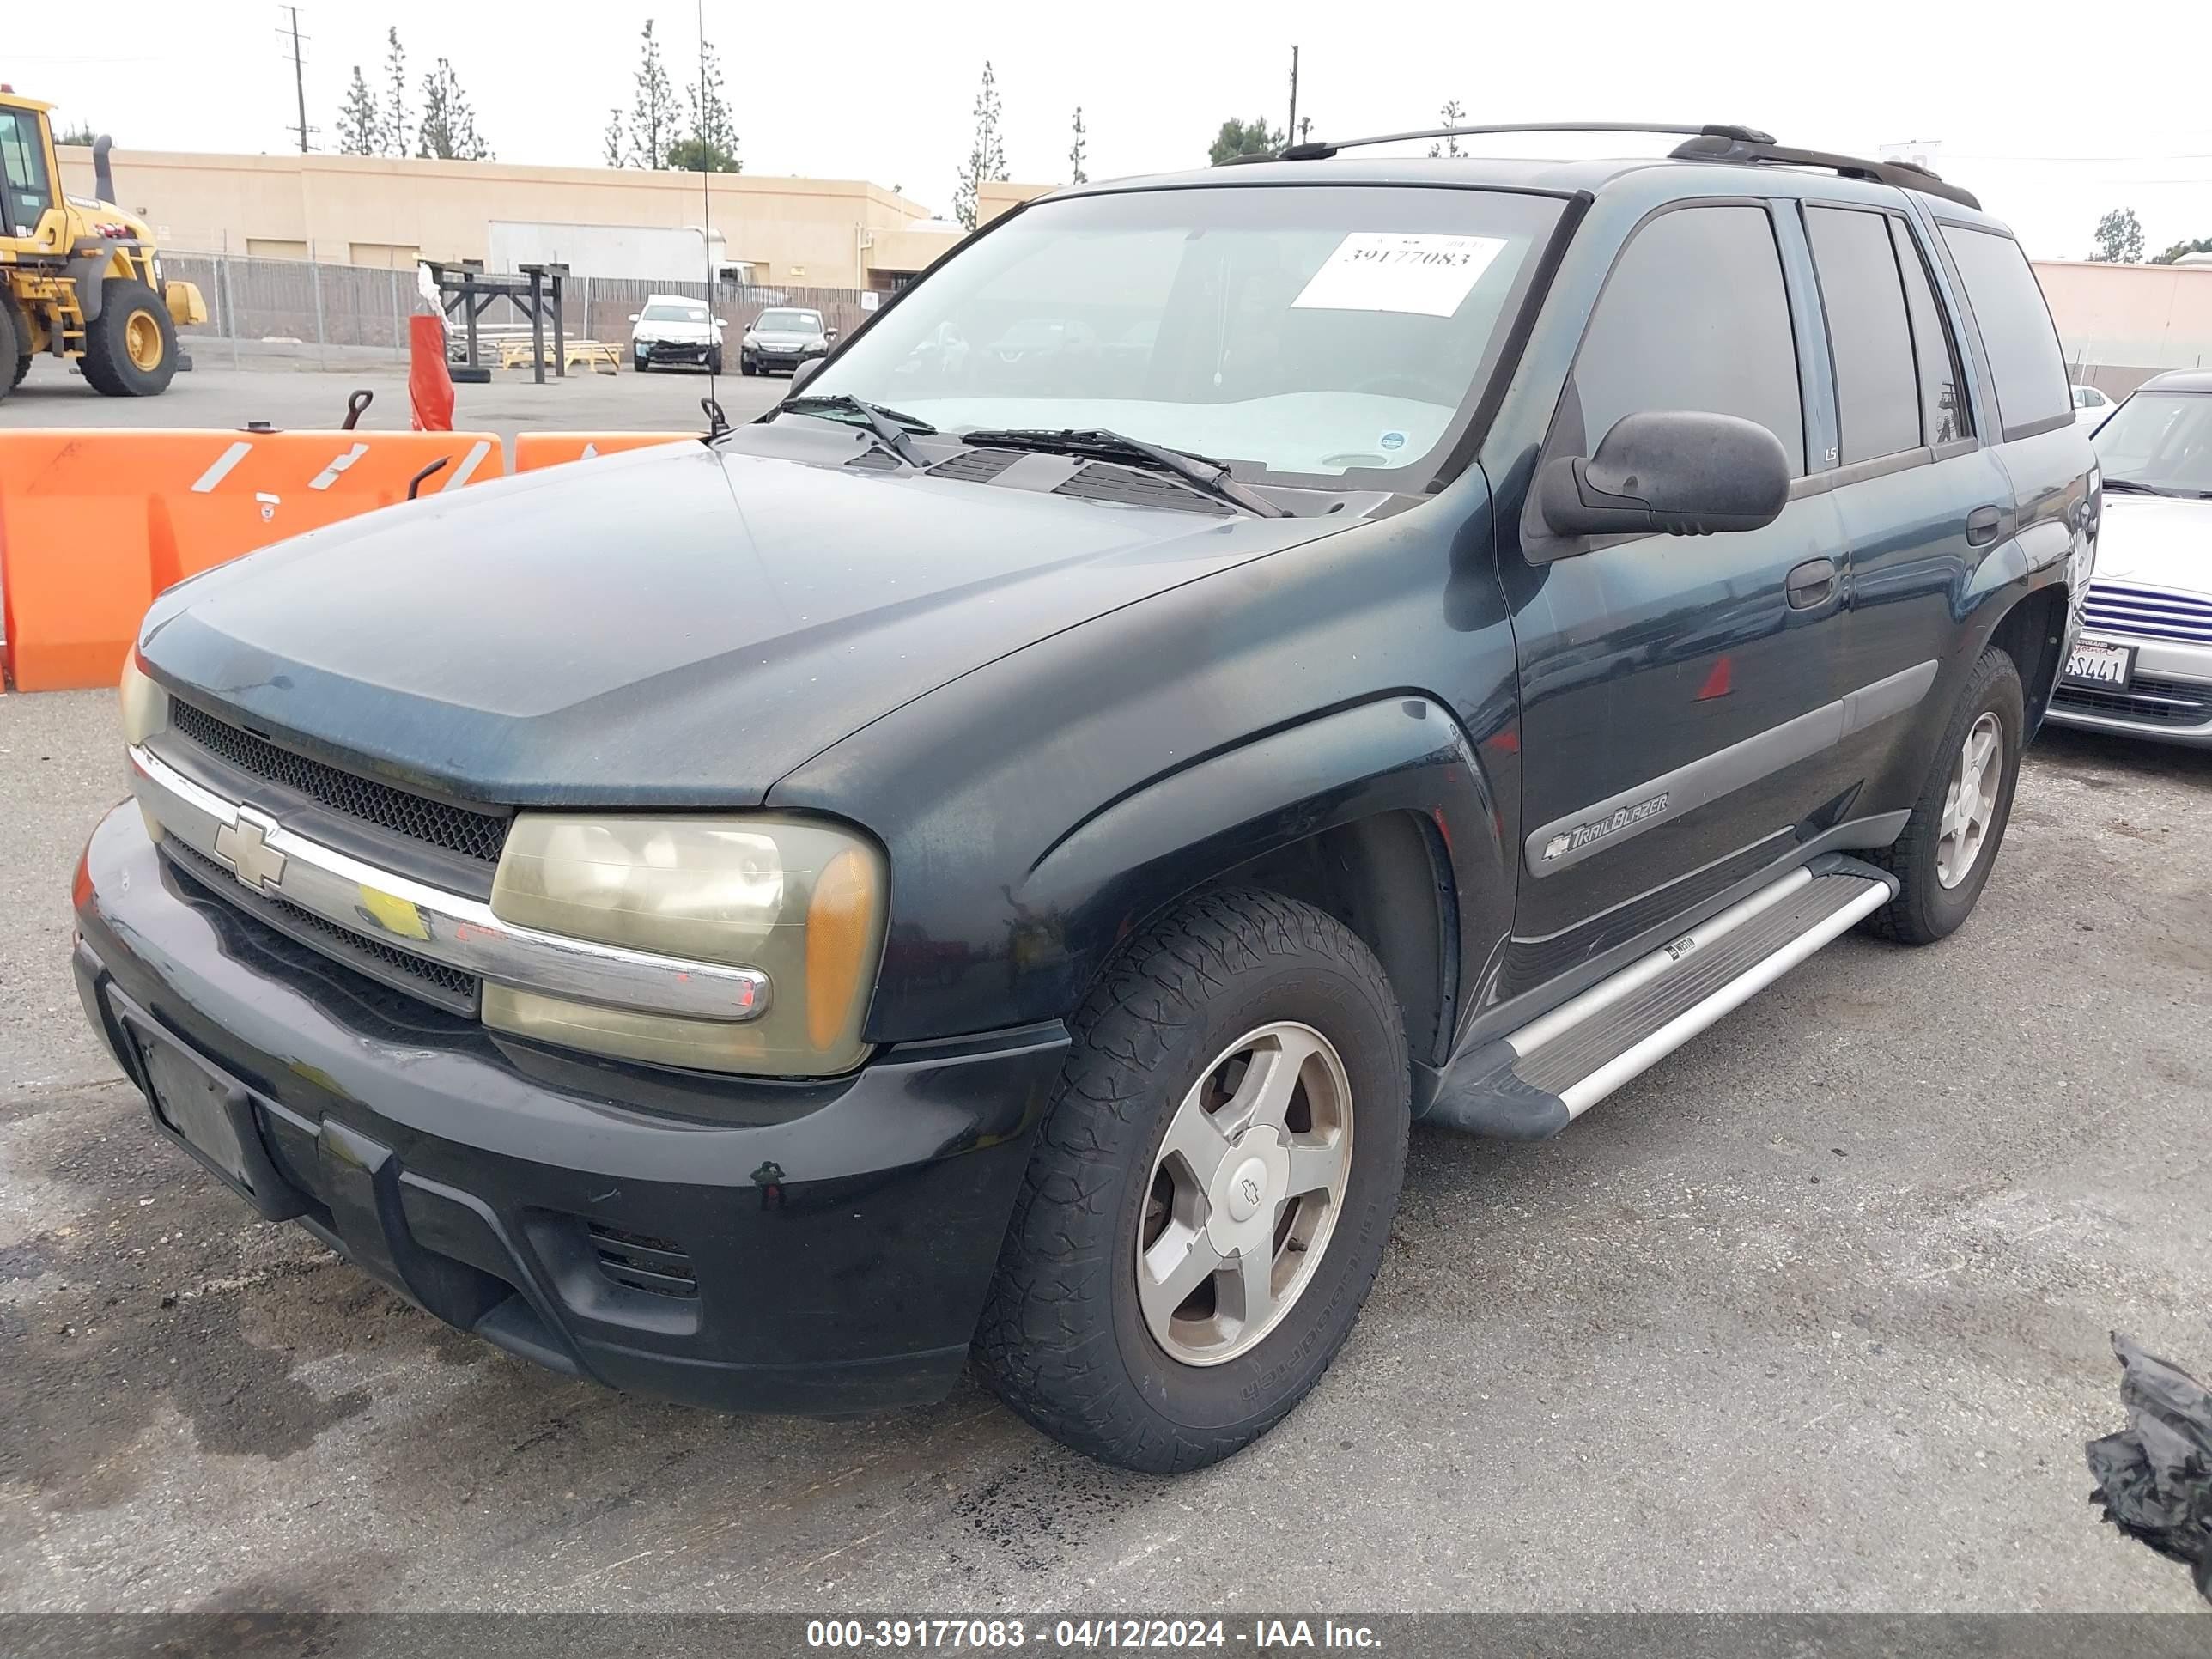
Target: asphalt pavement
297, 395
1812, 1316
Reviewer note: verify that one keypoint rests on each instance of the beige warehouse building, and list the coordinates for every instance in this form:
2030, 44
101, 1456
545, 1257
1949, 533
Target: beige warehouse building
388, 211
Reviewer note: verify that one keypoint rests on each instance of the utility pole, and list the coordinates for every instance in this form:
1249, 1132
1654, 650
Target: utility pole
299, 78
1293, 127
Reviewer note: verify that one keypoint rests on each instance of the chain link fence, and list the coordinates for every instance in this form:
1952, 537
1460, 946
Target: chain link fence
339, 314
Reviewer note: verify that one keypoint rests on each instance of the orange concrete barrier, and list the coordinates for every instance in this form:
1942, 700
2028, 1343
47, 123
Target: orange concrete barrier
535, 449
93, 523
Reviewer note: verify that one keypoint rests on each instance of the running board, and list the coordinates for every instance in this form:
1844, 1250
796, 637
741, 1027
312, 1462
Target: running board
1532, 1082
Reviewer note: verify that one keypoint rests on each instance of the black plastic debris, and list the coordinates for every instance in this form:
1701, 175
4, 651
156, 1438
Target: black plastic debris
2154, 1477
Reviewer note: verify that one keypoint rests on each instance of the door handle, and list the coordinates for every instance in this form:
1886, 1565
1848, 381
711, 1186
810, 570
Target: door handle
1811, 583
1981, 525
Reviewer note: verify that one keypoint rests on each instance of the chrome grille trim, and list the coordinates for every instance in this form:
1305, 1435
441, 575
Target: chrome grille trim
413, 917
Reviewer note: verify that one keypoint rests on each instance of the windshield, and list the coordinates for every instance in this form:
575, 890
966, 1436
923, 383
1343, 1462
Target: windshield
1301, 330
675, 314
790, 322
2161, 440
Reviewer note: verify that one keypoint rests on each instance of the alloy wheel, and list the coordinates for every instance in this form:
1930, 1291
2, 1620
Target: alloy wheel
1244, 1193
1971, 805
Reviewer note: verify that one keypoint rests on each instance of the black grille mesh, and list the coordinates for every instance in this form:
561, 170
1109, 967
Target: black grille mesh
449, 987
2189, 704
476, 835
643, 1263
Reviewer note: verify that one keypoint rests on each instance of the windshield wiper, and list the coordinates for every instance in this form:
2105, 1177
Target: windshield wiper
2130, 487
889, 426
1202, 472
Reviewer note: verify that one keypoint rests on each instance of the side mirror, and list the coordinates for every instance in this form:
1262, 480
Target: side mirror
633, 316
830, 335
806, 372
1673, 472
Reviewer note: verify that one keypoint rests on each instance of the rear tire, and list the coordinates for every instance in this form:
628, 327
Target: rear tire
15, 344
1943, 860
1244, 1015
131, 347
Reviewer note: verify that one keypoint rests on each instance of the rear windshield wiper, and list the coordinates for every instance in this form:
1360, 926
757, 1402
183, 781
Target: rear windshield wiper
1202, 472
889, 426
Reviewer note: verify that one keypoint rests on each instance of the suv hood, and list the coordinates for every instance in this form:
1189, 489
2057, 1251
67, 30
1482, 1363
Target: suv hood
2156, 541
677, 626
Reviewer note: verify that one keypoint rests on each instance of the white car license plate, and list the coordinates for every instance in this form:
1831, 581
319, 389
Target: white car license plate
2100, 664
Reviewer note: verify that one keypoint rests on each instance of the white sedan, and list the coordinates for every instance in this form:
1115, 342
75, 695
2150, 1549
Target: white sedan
2091, 406
2143, 662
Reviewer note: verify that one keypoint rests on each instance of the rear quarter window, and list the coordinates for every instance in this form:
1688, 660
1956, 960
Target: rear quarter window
2017, 333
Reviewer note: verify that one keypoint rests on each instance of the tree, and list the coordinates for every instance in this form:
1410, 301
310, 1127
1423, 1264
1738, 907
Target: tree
448, 132
987, 156
711, 146
614, 139
1076, 174
81, 133
393, 129
1244, 138
360, 123
2119, 239
1448, 116
652, 109
2202, 245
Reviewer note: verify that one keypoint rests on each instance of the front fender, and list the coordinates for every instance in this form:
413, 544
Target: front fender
1137, 855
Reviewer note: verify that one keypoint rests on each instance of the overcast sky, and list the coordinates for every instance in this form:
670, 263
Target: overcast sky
2051, 114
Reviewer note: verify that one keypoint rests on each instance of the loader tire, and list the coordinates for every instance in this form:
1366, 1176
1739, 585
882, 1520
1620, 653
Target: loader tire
14, 345
131, 347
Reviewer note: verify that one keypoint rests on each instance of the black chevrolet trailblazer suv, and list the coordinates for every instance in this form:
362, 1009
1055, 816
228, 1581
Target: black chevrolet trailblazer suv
948, 870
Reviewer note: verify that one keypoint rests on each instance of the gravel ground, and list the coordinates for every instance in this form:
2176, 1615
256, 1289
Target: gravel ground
1813, 1315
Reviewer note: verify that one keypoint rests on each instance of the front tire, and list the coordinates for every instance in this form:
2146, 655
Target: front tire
637, 361
1950, 843
131, 347
1212, 1191
15, 344
714, 361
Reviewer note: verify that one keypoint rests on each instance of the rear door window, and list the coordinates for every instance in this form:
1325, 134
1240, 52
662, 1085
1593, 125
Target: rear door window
1877, 384
2016, 329
1694, 316
1944, 412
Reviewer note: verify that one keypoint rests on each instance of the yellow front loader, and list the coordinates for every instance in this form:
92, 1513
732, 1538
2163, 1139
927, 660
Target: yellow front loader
79, 279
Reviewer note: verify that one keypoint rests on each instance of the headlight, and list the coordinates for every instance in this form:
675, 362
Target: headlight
145, 705
800, 901
145, 714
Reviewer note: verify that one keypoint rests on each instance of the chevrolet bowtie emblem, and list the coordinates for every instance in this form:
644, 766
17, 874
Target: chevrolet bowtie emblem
244, 846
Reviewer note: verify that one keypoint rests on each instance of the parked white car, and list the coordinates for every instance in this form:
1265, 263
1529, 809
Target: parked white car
2091, 406
675, 329
2143, 662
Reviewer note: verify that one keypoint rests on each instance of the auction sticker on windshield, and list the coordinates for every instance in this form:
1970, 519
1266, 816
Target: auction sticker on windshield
2100, 663
1390, 271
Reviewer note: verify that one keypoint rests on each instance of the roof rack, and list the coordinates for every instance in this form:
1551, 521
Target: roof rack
1321, 150
1714, 141
1715, 146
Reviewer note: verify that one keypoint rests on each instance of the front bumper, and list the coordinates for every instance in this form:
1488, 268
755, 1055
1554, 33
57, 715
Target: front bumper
2169, 698
814, 1248
671, 351
782, 357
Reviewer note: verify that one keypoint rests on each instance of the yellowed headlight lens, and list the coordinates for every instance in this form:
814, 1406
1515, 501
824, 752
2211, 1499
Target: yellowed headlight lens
145, 705
801, 901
